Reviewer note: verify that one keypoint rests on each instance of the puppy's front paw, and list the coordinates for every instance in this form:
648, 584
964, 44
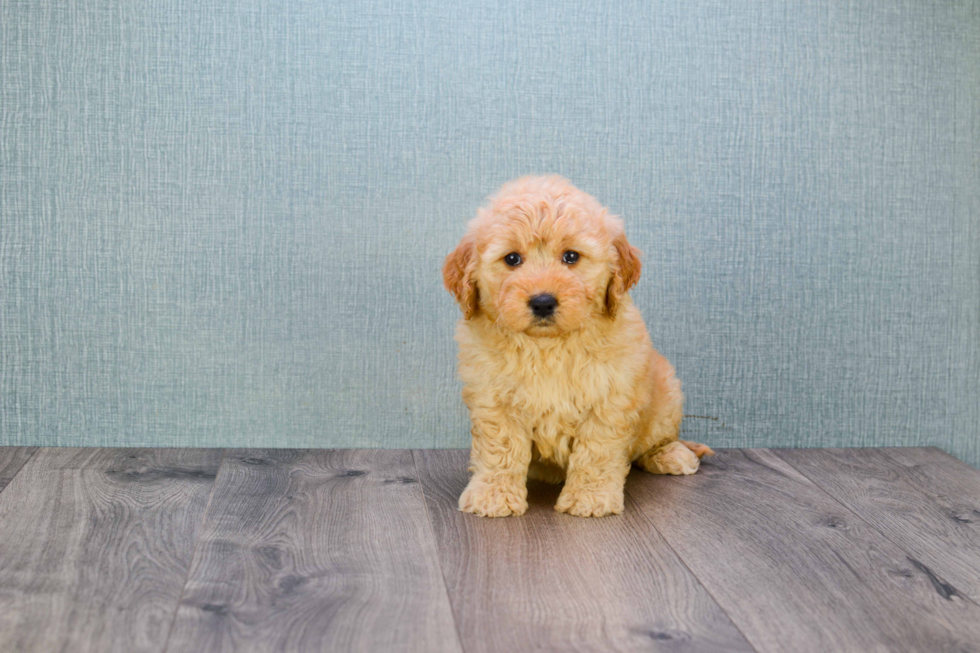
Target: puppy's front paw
493, 499
590, 503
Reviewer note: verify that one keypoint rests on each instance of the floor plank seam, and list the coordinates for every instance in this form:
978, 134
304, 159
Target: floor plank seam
643, 514
19, 469
877, 530
442, 572
197, 539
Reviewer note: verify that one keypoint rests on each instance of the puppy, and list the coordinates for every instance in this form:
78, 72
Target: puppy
560, 378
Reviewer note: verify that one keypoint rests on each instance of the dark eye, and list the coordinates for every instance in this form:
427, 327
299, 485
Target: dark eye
513, 259
569, 257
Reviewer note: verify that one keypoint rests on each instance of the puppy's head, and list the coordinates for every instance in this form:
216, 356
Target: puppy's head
542, 258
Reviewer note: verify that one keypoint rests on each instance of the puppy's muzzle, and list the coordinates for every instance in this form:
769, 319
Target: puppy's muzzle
543, 306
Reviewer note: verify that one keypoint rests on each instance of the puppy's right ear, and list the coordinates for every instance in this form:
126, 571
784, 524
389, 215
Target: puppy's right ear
457, 275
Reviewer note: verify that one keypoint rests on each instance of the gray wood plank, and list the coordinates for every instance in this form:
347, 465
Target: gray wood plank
315, 551
95, 545
796, 570
11, 460
548, 581
922, 499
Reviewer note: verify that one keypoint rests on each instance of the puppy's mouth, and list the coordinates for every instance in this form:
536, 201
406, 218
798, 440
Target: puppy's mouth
542, 326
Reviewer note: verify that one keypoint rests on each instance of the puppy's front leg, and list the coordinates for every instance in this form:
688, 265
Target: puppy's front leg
596, 475
499, 459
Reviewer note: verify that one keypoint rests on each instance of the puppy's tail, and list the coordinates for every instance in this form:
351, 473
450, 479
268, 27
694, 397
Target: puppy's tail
700, 450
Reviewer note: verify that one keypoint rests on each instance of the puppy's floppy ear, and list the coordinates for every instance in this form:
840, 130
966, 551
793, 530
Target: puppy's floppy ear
626, 272
457, 275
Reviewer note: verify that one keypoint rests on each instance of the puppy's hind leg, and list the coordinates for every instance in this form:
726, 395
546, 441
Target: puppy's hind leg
678, 458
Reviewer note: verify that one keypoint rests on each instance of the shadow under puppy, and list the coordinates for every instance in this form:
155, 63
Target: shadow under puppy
560, 378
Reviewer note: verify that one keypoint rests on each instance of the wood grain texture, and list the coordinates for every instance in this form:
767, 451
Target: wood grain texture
95, 545
11, 460
922, 499
548, 581
796, 570
315, 551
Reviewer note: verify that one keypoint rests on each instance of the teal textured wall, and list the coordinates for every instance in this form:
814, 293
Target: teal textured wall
222, 222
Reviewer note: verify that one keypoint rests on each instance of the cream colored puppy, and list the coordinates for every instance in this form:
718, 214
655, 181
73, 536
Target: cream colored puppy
560, 377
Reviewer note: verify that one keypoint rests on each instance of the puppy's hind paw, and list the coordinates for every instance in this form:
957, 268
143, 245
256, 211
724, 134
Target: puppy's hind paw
675, 458
493, 500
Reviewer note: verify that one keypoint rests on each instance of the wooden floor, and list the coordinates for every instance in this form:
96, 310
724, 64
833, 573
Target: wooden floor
287, 550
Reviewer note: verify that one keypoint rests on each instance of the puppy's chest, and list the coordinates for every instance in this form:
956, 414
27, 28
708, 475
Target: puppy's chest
551, 387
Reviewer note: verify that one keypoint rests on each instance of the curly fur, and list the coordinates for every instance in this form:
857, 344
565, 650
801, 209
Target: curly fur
576, 398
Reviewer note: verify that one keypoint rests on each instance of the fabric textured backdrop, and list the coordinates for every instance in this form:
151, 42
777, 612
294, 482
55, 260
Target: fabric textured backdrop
222, 223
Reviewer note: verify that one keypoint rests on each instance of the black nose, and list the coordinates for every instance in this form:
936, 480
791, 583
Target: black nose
543, 305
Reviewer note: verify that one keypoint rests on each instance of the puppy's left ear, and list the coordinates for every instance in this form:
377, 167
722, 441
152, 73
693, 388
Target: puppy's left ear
457, 275
626, 272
